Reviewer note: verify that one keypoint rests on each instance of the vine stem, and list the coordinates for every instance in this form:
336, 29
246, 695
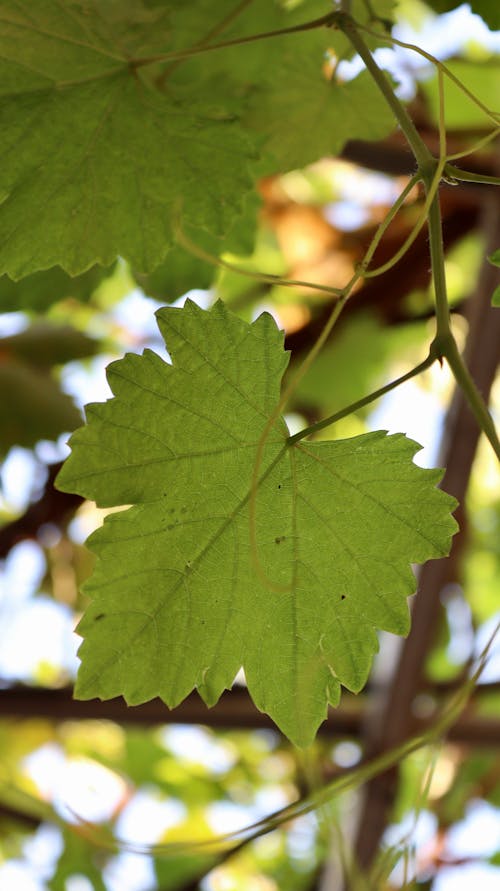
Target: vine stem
445, 343
476, 147
463, 378
265, 277
351, 779
431, 170
422, 154
468, 177
366, 400
440, 66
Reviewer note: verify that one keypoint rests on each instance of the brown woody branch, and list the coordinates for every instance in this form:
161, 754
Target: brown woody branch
235, 710
396, 721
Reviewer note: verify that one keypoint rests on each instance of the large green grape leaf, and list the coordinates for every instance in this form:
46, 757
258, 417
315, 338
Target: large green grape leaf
322, 112
301, 114
177, 599
96, 160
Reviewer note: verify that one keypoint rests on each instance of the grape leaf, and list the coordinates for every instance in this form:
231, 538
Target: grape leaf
322, 113
39, 291
177, 601
182, 270
96, 160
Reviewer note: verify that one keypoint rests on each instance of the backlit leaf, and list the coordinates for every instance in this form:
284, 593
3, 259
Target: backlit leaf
96, 160
177, 601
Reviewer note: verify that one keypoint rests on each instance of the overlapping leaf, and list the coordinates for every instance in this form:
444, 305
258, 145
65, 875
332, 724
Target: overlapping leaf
177, 602
96, 161
322, 111
39, 291
109, 139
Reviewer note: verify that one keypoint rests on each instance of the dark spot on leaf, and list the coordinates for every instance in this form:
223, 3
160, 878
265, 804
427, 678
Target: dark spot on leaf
99, 617
279, 539
343, 597
279, 485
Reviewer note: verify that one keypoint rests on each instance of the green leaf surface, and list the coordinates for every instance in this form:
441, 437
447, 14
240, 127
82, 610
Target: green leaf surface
177, 601
96, 160
325, 113
39, 291
461, 113
183, 270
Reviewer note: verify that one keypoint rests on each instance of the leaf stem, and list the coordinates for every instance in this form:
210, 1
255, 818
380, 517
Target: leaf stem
443, 333
346, 291
444, 343
350, 779
366, 400
323, 21
266, 277
431, 169
468, 177
476, 402
476, 147
372, 273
